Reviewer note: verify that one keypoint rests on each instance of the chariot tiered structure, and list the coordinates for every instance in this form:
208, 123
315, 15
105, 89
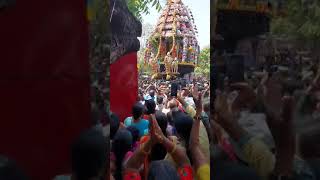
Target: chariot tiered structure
172, 49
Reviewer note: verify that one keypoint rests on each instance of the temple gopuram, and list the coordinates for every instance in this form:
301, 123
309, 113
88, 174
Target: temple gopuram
172, 49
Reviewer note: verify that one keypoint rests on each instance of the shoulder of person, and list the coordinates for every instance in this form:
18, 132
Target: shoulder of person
145, 121
128, 120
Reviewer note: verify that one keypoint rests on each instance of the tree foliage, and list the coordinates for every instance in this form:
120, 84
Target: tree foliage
203, 67
140, 7
301, 23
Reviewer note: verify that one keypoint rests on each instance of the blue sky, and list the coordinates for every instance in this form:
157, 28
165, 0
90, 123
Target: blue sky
201, 13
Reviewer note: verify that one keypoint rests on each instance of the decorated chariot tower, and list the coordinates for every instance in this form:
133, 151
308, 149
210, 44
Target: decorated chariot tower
172, 49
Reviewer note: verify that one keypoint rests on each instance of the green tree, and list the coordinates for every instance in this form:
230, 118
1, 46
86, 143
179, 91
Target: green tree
203, 67
140, 7
301, 23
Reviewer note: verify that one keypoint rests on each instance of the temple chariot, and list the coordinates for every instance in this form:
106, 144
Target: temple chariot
172, 49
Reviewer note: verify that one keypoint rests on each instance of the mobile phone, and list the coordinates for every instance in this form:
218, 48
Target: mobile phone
174, 89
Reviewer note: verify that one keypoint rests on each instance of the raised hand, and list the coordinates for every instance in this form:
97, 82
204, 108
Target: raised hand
195, 91
272, 96
285, 138
197, 98
245, 98
199, 104
223, 109
226, 118
156, 133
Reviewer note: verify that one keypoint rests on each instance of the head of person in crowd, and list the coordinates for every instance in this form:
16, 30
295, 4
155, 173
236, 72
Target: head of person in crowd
172, 104
150, 106
137, 120
152, 93
121, 145
134, 132
114, 124
162, 121
185, 92
140, 97
170, 118
137, 111
160, 170
89, 156
161, 92
9, 170
183, 124
160, 100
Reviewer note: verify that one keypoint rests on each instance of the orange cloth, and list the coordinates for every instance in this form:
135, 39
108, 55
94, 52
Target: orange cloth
144, 139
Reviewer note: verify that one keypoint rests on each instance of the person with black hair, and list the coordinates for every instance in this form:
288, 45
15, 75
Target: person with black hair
137, 121
121, 148
150, 107
184, 172
151, 95
183, 122
160, 103
134, 132
170, 128
89, 156
114, 124
158, 151
135, 137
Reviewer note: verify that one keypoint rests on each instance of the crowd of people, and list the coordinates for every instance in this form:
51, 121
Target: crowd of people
181, 137
285, 92
177, 135
167, 135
